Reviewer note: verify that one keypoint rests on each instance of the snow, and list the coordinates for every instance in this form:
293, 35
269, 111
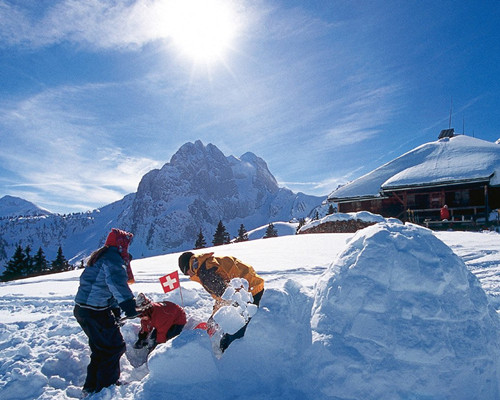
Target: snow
11, 206
417, 324
282, 228
240, 309
457, 159
393, 311
364, 216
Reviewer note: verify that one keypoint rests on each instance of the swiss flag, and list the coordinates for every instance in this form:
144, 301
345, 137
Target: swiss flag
170, 282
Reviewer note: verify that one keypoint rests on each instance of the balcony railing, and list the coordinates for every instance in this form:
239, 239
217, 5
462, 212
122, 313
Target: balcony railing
459, 216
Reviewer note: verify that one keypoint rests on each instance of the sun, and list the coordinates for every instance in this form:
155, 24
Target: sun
203, 30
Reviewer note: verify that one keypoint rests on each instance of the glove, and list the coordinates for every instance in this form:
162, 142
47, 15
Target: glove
141, 341
140, 344
128, 306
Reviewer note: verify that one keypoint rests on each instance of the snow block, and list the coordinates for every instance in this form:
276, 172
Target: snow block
185, 360
398, 315
275, 342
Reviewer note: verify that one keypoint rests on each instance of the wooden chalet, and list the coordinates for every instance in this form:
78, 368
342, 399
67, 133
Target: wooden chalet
459, 171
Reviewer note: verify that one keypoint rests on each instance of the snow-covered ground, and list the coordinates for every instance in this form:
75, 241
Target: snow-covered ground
389, 312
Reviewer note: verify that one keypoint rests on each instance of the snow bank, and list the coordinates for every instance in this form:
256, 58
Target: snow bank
363, 216
282, 228
398, 315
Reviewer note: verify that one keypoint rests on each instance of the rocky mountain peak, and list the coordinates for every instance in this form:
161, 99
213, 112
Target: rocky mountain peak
199, 187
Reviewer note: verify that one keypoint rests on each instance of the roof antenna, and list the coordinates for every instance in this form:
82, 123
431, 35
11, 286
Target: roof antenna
463, 126
451, 109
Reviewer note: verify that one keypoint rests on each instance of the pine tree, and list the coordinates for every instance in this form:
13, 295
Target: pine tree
227, 238
242, 234
200, 242
60, 263
40, 264
302, 222
15, 266
221, 236
270, 231
331, 210
28, 262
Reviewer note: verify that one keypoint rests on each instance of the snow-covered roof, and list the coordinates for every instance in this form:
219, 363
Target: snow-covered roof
460, 159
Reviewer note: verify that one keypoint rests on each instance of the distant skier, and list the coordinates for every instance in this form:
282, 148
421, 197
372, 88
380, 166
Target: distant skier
215, 274
102, 292
160, 321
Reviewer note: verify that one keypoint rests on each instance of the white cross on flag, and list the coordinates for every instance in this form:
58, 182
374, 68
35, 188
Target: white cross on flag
170, 282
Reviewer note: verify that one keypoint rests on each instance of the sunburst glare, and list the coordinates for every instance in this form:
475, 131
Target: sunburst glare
203, 30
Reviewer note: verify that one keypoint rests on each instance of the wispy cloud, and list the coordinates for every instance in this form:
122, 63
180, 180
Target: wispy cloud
57, 150
270, 103
286, 23
323, 187
294, 83
363, 113
96, 23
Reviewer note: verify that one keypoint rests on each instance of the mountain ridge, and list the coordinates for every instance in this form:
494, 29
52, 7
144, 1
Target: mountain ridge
12, 206
193, 191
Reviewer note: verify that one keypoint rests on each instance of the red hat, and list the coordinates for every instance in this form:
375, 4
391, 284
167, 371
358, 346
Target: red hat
119, 238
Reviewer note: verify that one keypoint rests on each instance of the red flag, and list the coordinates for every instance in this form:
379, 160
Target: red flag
170, 282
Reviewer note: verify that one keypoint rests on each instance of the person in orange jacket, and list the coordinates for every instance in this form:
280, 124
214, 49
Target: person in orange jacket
160, 321
215, 274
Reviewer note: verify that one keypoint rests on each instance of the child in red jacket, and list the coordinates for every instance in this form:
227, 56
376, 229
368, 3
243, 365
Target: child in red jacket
160, 321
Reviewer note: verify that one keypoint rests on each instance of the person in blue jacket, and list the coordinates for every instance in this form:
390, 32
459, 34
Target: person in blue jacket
103, 291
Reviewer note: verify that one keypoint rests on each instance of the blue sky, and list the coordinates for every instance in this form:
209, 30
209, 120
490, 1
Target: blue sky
94, 94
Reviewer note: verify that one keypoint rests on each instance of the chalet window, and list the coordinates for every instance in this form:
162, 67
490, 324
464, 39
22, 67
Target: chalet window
436, 200
461, 198
421, 201
476, 197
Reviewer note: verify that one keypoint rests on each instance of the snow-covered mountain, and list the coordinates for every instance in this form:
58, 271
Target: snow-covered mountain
196, 189
199, 187
11, 206
78, 234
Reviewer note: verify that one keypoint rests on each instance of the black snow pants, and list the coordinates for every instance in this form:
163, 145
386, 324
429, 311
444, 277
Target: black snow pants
106, 346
